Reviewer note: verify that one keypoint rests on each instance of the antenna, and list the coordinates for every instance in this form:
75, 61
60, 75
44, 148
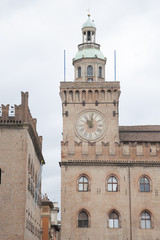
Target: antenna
114, 65
64, 65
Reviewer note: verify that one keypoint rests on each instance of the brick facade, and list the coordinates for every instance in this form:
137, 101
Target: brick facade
49, 222
109, 181
20, 163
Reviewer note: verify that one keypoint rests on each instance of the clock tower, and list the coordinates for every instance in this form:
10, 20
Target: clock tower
109, 173
90, 136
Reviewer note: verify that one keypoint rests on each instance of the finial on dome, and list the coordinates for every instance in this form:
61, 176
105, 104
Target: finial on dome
89, 12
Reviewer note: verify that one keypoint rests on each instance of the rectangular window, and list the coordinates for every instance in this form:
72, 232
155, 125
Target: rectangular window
109, 187
114, 187
147, 188
148, 224
80, 186
110, 223
116, 223
142, 223
141, 188
85, 187
83, 223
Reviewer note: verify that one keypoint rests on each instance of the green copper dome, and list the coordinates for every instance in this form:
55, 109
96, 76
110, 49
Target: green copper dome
88, 23
89, 53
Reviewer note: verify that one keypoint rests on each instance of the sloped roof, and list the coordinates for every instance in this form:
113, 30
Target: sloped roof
89, 53
142, 133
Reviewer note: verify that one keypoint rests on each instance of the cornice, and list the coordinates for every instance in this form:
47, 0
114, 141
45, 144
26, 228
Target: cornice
46, 203
88, 85
112, 163
35, 143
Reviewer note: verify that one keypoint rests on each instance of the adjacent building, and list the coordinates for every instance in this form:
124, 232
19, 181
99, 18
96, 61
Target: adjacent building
49, 219
21, 163
109, 173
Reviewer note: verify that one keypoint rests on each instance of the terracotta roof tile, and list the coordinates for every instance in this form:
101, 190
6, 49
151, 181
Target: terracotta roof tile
142, 133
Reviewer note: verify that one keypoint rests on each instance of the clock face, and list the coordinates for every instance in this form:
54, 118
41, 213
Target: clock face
90, 125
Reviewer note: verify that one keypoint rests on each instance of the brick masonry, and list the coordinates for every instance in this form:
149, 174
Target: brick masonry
20, 161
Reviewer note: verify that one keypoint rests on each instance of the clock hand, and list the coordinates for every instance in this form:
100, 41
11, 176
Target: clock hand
90, 123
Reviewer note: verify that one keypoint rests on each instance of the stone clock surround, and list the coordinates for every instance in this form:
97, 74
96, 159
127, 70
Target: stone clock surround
90, 125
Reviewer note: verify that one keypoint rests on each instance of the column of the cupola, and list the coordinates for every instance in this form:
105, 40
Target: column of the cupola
94, 36
88, 35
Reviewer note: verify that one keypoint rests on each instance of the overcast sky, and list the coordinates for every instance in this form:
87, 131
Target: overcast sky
33, 36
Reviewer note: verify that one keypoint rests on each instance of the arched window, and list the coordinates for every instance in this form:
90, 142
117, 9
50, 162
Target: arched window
89, 95
36, 179
31, 170
89, 71
83, 184
113, 220
112, 184
29, 164
79, 72
65, 95
33, 174
102, 95
83, 95
71, 96
77, 96
96, 94
83, 220
144, 184
145, 220
89, 35
100, 72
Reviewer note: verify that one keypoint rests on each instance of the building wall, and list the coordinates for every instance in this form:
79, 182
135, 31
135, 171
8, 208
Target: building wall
13, 183
32, 206
99, 202
20, 160
45, 235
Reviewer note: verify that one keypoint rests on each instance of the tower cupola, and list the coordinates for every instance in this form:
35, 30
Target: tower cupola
89, 62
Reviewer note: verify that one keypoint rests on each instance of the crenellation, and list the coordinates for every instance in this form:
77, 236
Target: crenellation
102, 151
13, 115
126, 149
140, 150
5, 110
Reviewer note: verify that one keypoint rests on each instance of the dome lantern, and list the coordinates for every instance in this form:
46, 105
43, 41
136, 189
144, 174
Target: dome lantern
88, 31
89, 56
